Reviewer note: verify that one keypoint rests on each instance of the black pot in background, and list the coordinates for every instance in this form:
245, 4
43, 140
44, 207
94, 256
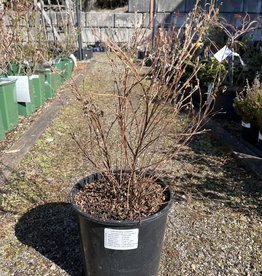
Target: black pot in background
87, 53
249, 132
120, 248
141, 53
223, 104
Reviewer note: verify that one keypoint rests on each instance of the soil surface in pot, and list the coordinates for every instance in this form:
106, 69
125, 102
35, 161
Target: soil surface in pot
117, 200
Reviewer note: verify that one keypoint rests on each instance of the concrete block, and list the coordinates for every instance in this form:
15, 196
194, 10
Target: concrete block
138, 6
90, 36
171, 6
119, 35
253, 6
177, 19
52, 17
99, 19
6, 20
190, 4
257, 18
131, 20
50, 36
62, 19
160, 19
235, 6
141, 36
36, 20
232, 19
257, 35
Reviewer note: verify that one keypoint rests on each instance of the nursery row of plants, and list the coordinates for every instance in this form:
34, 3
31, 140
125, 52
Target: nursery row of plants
248, 105
34, 59
21, 93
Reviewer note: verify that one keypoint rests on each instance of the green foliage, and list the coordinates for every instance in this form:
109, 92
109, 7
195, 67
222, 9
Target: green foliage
216, 36
248, 103
259, 111
211, 70
252, 56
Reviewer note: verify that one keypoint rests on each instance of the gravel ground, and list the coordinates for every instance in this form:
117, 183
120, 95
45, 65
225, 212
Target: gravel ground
214, 227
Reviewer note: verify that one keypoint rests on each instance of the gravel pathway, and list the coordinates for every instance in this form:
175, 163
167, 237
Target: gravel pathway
214, 227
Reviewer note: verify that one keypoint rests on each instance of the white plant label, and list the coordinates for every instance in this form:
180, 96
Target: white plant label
74, 59
223, 54
259, 136
121, 239
22, 88
226, 52
246, 125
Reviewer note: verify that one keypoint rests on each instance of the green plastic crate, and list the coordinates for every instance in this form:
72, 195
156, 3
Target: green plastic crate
38, 89
68, 65
2, 131
50, 82
8, 104
58, 71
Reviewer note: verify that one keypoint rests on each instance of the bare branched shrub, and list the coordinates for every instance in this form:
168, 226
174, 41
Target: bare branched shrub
153, 114
23, 38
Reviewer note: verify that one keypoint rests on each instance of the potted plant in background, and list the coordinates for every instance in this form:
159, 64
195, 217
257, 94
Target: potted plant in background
248, 105
259, 123
20, 45
209, 73
233, 39
28, 51
66, 45
134, 130
8, 104
258, 104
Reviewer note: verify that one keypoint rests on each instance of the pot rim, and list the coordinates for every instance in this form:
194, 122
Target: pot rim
97, 176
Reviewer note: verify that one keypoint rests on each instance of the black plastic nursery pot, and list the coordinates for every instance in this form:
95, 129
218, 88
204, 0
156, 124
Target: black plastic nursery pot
120, 248
249, 132
87, 53
222, 106
141, 54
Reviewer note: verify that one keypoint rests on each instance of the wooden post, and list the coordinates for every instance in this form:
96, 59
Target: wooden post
151, 13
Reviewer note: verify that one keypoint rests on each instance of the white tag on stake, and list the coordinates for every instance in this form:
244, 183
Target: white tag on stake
121, 239
245, 125
226, 52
